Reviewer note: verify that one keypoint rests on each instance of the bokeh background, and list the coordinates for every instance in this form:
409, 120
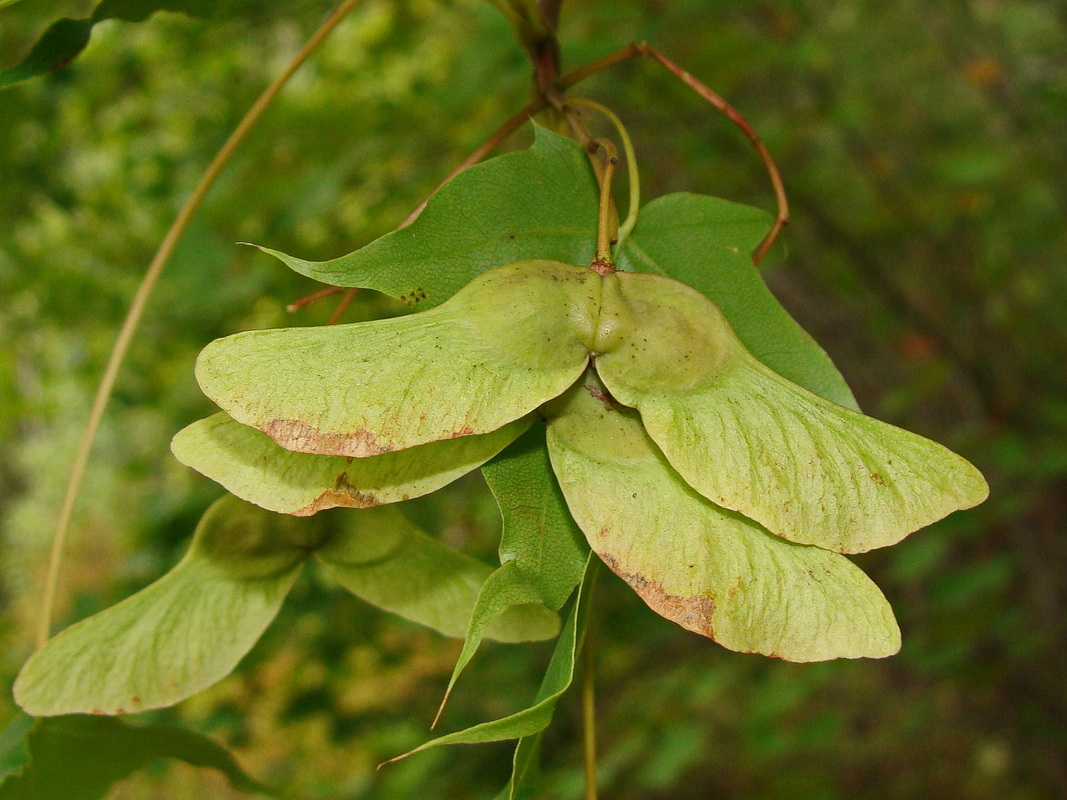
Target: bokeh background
924, 147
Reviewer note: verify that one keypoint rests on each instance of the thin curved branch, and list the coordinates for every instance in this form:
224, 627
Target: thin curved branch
140, 301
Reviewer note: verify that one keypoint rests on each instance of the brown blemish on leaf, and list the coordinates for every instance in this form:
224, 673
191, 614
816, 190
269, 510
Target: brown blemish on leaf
692, 613
466, 430
600, 395
331, 498
414, 296
298, 436
878, 479
343, 495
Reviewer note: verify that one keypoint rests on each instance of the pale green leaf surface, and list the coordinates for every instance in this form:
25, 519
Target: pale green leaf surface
749, 440
536, 203
557, 680
494, 352
539, 534
707, 569
383, 558
505, 591
180, 635
81, 757
250, 465
707, 243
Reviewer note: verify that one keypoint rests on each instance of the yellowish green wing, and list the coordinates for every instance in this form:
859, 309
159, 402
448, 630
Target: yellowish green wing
382, 557
183, 633
749, 440
709, 570
250, 465
503, 345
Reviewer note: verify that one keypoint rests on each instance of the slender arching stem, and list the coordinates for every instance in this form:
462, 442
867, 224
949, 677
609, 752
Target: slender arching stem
140, 300
735, 117
636, 49
603, 63
631, 161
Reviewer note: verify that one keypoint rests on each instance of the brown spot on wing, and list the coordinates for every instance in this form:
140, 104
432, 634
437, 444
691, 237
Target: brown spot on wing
692, 613
601, 395
343, 495
331, 498
298, 436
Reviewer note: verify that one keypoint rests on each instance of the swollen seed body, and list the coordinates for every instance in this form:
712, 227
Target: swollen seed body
667, 334
245, 542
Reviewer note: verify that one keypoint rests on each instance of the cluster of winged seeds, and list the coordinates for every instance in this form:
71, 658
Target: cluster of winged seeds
621, 408
721, 492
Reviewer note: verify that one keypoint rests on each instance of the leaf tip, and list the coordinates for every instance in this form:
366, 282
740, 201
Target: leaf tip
394, 759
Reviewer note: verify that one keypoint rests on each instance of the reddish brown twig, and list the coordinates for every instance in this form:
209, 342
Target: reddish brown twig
296, 305
735, 117
342, 307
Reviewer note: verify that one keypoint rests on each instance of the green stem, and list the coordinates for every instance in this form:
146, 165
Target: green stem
631, 162
140, 301
589, 717
589, 688
602, 261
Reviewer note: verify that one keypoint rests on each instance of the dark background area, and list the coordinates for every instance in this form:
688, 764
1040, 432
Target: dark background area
924, 148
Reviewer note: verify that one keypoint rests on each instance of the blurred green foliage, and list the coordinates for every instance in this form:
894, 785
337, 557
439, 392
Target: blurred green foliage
924, 146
